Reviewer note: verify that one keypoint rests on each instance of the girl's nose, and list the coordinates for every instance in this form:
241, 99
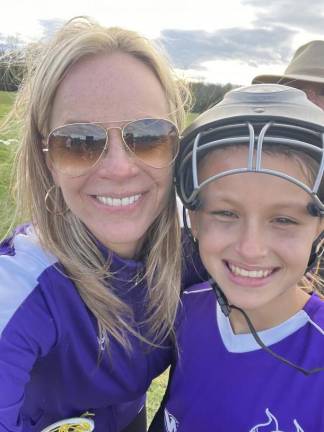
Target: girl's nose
252, 243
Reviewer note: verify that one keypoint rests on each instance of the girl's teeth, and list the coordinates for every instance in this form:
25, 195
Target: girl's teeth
118, 202
251, 274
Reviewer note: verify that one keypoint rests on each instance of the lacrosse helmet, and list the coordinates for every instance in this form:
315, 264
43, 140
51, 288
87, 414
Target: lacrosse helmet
257, 116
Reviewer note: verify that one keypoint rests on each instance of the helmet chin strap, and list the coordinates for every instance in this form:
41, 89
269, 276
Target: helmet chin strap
226, 308
186, 227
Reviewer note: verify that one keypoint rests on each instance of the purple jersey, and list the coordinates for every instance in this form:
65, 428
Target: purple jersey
49, 345
224, 382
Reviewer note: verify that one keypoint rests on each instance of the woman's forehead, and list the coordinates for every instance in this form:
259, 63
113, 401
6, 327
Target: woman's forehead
108, 87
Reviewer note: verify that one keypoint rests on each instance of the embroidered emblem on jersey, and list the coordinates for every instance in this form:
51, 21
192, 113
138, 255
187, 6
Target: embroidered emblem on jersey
170, 422
272, 425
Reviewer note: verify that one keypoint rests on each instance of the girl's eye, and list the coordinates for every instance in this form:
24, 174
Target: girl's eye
224, 214
284, 221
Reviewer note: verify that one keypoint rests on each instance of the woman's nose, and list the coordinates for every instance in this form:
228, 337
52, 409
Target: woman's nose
118, 161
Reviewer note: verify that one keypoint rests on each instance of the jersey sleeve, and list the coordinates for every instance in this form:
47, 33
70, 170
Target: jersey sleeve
29, 335
27, 328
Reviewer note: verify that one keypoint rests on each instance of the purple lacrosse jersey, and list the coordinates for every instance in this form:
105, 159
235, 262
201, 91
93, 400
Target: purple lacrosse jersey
49, 345
223, 382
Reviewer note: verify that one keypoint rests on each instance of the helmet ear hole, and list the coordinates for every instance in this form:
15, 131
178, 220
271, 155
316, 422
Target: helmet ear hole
313, 210
196, 204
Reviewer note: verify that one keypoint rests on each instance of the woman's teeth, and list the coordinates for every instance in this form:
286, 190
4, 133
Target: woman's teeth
118, 202
251, 274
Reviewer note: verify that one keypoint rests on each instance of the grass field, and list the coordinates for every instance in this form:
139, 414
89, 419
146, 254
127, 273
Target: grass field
158, 386
6, 99
6, 156
6, 204
155, 394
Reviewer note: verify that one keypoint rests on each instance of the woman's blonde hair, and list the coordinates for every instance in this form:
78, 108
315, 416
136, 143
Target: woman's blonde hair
65, 236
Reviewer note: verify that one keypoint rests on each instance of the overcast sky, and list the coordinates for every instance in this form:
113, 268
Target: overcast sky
216, 41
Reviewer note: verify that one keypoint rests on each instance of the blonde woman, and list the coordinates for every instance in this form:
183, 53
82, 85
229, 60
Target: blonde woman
89, 289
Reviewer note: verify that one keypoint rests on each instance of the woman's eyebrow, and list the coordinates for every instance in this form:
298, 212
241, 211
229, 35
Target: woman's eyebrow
73, 120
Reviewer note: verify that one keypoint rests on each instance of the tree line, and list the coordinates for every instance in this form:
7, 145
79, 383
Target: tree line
205, 95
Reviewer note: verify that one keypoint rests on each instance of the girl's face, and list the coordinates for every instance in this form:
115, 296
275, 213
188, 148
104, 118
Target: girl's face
120, 197
254, 232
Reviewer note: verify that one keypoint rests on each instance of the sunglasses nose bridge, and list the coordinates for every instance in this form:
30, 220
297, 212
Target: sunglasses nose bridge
121, 129
116, 145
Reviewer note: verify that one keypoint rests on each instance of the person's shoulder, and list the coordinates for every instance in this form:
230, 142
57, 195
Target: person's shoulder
22, 261
197, 302
314, 309
197, 293
197, 289
22, 257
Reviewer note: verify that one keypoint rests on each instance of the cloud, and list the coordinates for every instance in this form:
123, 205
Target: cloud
268, 40
302, 15
50, 26
252, 46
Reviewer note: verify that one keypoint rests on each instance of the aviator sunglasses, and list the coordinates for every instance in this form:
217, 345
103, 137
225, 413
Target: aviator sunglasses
75, 148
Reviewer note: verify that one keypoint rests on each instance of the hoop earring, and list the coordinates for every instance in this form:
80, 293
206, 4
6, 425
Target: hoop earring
54, 199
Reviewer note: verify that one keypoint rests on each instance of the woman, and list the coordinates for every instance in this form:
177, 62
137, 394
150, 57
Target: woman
93, 282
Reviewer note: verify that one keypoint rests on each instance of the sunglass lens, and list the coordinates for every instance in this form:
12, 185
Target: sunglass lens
75, 148
154, 141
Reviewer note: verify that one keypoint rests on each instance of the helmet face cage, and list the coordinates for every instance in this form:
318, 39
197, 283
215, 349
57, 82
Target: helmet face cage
258, 134
189, 190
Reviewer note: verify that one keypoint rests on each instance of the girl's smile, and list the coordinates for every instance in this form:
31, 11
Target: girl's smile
249, 276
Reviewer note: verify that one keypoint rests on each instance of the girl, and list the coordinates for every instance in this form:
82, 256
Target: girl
251, 358
93, 282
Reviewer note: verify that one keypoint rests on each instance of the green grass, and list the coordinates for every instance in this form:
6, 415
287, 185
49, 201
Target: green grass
190, 118
155, 394
6, 203
6, 156
6, 100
